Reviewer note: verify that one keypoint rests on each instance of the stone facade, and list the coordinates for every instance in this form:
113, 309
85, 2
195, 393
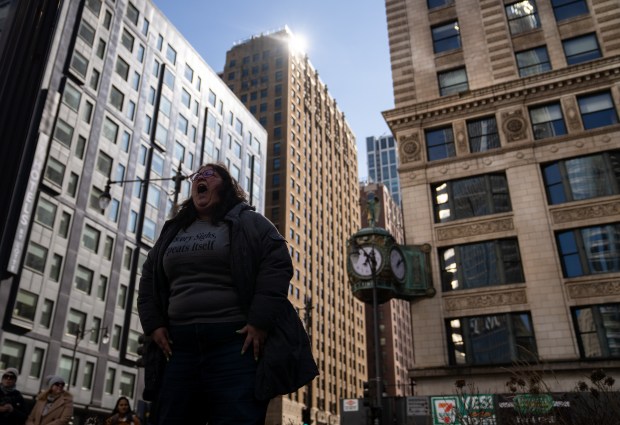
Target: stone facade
495, 89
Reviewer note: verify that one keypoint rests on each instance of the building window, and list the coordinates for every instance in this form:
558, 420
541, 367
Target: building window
440, 143
470, 197
75, 322
127, 40
169, 79
597, 110
522, 16
186, 98
108, 247
182, 125
121, 299
94, 6
63, 132
547, 121
71, 97
132, 13
90, 238
110, 377
171, 54
84, 279
566, 9
453, 81
89, 375
117, 98
55, 268
101, 49
36, 257
150, 229
433, 4
110, 130
79, 63
25, 305
127, 384
446, 37
102, 288
581, 178
483, 135
46, 213
122, 68
589, 250
496, 339
597, 330
104, 163
581, 49
12, 354
188, 73
46, 313
36, 362
87, 33
481, 264
533, 61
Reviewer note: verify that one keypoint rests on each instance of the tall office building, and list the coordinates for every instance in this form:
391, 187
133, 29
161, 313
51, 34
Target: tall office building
382, 154
124, 97
312, 197
506, 119
395, 337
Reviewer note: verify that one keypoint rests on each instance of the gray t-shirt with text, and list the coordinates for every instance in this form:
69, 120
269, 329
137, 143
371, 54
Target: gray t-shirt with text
197, 264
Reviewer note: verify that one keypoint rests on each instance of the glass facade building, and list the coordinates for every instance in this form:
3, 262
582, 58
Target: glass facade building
127, 102
383, 164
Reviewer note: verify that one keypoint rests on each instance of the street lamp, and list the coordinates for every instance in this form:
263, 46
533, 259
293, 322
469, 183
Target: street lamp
105, 198
79, 335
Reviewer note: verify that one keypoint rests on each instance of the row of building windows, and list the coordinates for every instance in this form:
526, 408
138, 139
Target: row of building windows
596, 110
582, 251
524, 14
578, 49
13, 354
509, 338
572, 179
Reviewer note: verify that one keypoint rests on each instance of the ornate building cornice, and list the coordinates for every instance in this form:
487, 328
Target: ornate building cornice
477, 300
593, 289
474, 229
609, 209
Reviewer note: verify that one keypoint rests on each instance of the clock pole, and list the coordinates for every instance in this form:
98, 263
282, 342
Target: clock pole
376, 411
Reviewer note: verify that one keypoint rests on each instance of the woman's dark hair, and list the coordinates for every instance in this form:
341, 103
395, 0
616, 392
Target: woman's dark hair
230, 194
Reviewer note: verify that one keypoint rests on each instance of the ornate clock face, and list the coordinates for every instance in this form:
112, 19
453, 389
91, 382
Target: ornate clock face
361, 260
397, 262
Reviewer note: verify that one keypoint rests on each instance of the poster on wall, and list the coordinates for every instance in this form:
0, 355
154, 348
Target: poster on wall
475, 409
444, 410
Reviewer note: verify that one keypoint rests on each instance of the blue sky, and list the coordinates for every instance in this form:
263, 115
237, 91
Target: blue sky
346, 41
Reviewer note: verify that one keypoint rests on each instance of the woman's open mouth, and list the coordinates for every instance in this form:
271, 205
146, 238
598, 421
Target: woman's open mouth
202, 187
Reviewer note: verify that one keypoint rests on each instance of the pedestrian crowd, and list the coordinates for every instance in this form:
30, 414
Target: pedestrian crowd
53, 405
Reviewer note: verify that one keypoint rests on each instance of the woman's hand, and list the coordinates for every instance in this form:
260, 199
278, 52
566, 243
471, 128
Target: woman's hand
161, 338
254, 337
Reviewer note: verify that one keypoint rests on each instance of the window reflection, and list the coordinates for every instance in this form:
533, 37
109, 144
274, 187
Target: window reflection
471, 197
598, 330
482, 264
496, 339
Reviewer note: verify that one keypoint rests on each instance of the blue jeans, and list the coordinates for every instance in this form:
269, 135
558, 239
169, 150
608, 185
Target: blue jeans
208, 380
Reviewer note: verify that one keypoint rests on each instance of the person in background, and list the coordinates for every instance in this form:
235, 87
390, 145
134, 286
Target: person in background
213, 291
53, 406
12, 405
122, 414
